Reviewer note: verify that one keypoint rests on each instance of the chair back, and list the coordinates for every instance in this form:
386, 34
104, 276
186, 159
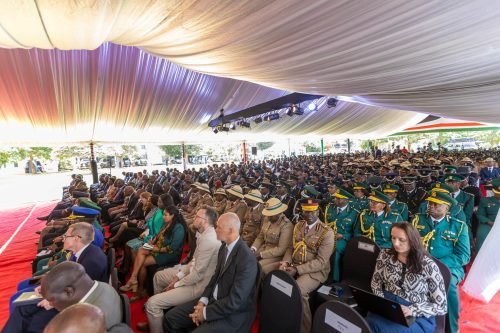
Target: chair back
113, 278
441, 321
125, 302
360, 256
335, 317
281, 304
111, 254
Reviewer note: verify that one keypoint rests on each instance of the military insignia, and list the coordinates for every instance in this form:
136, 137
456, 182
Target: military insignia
437, 186
433, 194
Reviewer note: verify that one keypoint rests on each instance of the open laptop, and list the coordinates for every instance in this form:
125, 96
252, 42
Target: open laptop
381, 306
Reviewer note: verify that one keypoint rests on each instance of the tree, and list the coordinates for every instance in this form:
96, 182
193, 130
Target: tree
4, 158
311, 148
261, 146
176, 150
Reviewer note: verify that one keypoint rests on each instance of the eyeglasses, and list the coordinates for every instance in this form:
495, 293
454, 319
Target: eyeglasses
69, 236
199, 217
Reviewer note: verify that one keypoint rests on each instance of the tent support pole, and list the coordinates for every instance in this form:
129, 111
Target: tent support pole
244, 152
93, 164
348, 146
184, 157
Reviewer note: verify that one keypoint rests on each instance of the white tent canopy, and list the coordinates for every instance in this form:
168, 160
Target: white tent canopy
393, 61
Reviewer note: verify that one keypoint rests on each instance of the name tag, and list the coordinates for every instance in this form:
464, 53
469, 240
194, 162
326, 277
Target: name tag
284, 287
340, 324
366, 247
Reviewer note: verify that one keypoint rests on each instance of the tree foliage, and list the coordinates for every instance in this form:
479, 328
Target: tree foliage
176, 150
261, 146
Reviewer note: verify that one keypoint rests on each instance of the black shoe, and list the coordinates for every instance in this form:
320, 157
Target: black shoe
43, 218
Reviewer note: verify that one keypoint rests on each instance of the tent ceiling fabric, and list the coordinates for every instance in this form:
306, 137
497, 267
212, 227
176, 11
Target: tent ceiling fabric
122, 94
438, 57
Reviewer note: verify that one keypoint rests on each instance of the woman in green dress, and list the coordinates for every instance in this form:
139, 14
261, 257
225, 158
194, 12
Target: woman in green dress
165, 249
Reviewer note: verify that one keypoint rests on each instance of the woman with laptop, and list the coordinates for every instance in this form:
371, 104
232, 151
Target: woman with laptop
406, 274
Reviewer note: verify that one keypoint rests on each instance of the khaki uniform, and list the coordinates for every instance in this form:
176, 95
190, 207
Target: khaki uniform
310, 253
251, 224
204, 200
239, 207
220, 206
272, 242
193, 201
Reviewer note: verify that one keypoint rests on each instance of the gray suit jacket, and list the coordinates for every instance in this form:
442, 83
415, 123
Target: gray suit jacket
235, 306
108, 300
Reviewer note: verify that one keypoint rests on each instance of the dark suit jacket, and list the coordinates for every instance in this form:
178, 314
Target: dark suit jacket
95, 262
486, 174
175, 195
237, 280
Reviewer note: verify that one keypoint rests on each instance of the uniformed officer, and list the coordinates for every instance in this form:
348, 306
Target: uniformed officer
282, 193
375, 223
341, 217
194, 196
464, 199
220, 201
308, 258
205, 199
235, 202
253, 218
455, 210
360, 201
392, 190
487, 213
275, 236
447, 239
411, 195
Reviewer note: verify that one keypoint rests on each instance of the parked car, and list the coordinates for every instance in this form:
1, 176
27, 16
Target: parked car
126, 162
84, 163
108, 162
141, 162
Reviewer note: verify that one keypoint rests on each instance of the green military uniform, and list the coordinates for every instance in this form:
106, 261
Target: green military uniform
448, 241
486, 213
360, 204
464, 200
396, 206
401, 208
342, 223
378, 227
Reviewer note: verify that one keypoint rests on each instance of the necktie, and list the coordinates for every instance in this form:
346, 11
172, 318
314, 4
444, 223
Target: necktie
307, 229
72, 258
453, 195
339, 211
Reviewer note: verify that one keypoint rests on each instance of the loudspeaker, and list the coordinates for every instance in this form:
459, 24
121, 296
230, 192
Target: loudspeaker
254, 150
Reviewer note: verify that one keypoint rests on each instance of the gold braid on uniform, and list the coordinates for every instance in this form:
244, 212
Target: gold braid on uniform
370, 232
302, 245
427, 238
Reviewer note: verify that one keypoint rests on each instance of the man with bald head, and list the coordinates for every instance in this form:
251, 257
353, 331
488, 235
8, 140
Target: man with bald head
228, 303
66, 284
78, 318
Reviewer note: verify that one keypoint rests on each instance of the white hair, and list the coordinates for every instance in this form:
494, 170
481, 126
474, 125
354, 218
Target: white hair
232, 220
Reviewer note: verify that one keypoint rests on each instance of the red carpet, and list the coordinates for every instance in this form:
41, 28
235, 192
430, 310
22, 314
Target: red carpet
15, 261
15, 265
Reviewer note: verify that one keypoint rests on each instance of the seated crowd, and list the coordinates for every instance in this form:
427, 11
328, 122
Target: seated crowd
195, 241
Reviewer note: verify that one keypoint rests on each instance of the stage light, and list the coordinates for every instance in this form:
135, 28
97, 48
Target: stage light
271, 117
244, 124
312, 107
297, 110
289, 112
224, 129
258, 120
232, 126
332, 102
215, 130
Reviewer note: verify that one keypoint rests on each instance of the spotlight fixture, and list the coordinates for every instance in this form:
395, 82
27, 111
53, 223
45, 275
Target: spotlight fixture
215, 130
258, 120
312, 107
244, 124
232, 126
224, 129
295, 110
332, 102
272, 116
